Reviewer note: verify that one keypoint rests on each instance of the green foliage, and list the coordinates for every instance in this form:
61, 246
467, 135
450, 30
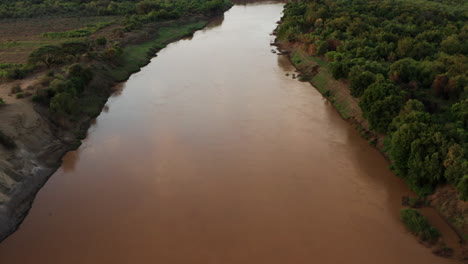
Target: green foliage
359, 81
1, 101
113, 53
404, 70
380, 103
321, 46
392, 52
101, 41
462, 187
74, 48
14, 71
49, 55
63, 104
419, 225
452, 45
77, 33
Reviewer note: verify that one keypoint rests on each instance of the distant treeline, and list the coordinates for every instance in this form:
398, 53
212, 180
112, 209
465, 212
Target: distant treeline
153, 8
407, 62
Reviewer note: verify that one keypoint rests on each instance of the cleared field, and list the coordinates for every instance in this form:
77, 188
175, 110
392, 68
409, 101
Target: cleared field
18, 37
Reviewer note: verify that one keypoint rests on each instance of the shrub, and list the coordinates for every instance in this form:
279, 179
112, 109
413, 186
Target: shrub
74, 48
21, 95
419, 225
101, 41
63, 103
38, 99
1, 101
45, 80
58, 85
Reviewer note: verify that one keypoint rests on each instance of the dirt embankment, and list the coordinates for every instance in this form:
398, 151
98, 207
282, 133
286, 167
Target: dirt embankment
41, 141
313, 69
40, 145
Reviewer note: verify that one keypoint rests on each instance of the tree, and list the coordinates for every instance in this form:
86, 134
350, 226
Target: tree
383, 111
463, 187
404, 70
460, 112
360, 82
455, 164
405, 47
74, 48
63, 103
451, 45
425, 162
321, 47
380, 103
48, 55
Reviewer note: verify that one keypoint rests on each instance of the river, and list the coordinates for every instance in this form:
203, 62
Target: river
211, 154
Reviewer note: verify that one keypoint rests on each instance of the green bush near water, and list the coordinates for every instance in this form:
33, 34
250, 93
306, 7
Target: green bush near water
419, 225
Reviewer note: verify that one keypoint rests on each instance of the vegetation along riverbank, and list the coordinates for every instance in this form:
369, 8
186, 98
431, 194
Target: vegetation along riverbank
58, 63
398, 71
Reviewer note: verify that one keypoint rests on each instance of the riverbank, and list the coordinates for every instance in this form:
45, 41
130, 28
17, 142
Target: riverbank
314, 69
42, 140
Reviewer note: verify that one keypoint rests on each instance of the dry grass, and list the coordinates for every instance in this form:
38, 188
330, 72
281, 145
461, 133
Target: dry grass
18, 37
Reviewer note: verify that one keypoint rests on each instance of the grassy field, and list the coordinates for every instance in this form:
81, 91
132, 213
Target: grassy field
18, 37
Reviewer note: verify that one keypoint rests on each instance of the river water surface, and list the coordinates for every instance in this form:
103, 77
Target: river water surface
212, 155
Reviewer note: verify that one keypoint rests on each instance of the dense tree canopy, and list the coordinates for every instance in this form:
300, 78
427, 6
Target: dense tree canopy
407, 61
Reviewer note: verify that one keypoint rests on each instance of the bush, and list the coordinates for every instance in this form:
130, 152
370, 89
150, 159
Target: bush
1, 101
419, 225
101, 41
74, 48
45, 80
63, 103
38, 99
21, 95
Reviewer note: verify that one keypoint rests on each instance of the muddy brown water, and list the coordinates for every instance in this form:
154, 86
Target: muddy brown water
211, 154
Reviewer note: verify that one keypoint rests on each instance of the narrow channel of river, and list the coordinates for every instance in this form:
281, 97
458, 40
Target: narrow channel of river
212, 155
